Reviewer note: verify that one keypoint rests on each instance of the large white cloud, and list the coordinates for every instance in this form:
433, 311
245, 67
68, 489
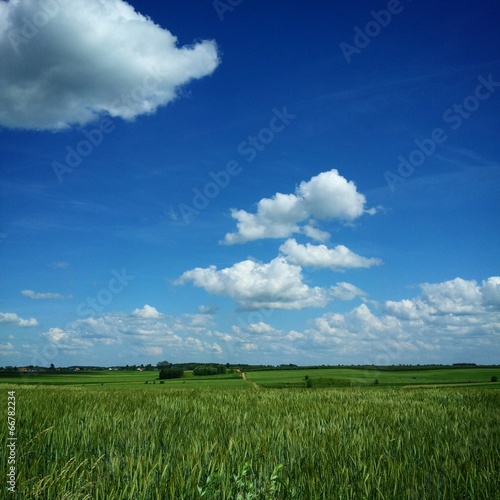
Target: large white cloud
274, 285
321, 256
66, 62
327, 196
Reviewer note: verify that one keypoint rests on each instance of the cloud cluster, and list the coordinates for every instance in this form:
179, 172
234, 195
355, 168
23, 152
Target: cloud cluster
280, 284
12, 318
392, 332
66, 62
327, 196
146, 330
448, 317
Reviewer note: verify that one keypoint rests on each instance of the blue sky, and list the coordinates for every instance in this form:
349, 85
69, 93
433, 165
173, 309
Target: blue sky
261, 182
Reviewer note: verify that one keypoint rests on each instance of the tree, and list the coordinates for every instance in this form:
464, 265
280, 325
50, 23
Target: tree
494, 378
163, 364
172, 372
52, 367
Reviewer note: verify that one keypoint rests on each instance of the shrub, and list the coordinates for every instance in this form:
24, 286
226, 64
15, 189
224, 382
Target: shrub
494, 378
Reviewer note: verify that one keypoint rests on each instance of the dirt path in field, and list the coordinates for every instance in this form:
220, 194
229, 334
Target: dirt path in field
244, 377
463, 384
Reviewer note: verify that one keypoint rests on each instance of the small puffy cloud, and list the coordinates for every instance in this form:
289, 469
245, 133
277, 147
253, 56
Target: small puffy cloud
327, 196
147, 312
260, 328
346, 291
14, 319
67, 62
44, 296
321, 256
275, 285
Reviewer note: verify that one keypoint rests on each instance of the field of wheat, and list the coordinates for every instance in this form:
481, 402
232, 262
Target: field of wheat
350, 443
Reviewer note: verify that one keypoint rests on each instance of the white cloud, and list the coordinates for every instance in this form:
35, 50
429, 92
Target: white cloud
447, 317
146, 312
321, 256
276, 285
491, 291
66, 340
6, 349
145, 331
44, 296
457, 296
327, 196
346, 291
260, 328
66, 62
16, 320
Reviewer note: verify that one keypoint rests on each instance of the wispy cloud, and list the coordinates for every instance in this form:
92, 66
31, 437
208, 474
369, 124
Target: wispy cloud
44, 296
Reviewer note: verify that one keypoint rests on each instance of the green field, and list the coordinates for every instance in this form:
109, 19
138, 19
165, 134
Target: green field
89, 442
321, 377
123, 380
364, 377
111, 435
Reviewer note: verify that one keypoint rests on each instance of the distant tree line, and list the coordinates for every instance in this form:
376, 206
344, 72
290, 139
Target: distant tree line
202, 370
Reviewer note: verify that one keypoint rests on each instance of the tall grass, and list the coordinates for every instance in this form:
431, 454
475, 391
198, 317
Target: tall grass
80, 443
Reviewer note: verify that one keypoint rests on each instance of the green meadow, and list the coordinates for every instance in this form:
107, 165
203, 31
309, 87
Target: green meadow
125, 435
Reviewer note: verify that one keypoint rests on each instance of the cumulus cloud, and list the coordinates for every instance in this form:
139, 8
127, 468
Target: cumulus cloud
14, 319
327, 196
146, 312
67, 62
321, 256
275, 285
44, 296
490, 291
447, 318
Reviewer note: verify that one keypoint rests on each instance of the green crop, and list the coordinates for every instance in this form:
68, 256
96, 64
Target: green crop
350, 443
